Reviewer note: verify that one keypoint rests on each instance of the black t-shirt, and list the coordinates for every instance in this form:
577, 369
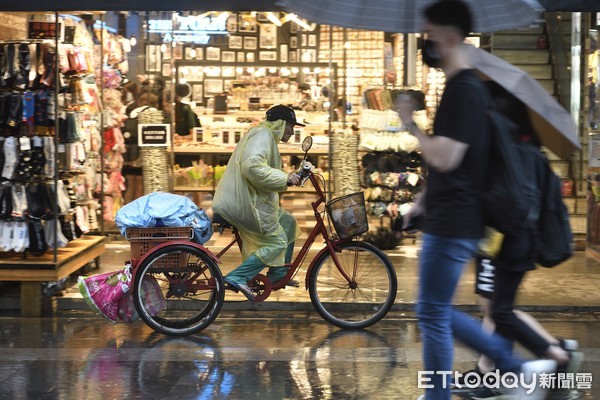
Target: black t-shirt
454, 200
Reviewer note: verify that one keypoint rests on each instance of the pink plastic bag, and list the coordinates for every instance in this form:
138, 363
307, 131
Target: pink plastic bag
104, 292
153, 299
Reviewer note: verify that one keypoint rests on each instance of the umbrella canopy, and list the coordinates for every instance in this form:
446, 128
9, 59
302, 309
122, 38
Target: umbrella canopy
571, 5
553, 124
407, 15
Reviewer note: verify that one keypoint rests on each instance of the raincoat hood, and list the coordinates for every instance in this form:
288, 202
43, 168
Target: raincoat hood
277, 128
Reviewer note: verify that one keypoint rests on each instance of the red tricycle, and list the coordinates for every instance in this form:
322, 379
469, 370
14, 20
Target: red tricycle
352, 284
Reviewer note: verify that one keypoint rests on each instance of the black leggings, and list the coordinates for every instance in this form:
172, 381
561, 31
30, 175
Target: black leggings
508, 324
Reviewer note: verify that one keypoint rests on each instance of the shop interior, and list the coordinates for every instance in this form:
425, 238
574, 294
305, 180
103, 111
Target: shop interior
72, 158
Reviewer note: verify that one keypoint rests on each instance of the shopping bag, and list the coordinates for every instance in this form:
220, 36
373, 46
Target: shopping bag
104, 292
153, 299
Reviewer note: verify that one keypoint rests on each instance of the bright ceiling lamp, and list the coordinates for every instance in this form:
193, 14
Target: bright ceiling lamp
271, 17
294, 17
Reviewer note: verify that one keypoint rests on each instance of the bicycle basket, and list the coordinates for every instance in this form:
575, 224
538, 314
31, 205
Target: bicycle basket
142, 240
348, 215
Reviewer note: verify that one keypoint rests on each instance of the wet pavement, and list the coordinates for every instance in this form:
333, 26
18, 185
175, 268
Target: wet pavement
279, 349
574, 285
242, 355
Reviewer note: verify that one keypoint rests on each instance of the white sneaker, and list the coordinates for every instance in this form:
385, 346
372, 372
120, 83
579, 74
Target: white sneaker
530, 371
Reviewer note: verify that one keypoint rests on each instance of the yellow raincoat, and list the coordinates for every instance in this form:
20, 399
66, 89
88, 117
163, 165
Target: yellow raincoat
248, 195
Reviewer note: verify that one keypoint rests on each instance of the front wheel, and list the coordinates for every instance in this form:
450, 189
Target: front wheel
364, 298
178, 290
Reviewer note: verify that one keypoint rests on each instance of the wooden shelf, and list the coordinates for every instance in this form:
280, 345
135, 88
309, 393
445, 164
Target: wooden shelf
32, 271
296, 189
205, 189
208, 149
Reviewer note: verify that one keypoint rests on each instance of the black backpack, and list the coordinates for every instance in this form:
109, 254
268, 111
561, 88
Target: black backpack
554, 238
182, 111
130, 135
512, 198
511, 201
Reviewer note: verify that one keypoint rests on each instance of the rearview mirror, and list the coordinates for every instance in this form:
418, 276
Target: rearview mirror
307, 143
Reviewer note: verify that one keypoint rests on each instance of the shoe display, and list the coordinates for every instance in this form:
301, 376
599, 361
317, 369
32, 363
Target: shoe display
246, 291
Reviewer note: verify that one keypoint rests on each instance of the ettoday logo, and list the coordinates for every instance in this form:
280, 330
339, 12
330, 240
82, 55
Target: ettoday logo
507, 380
473, 380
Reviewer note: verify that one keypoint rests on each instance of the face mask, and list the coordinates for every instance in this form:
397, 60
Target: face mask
431, 55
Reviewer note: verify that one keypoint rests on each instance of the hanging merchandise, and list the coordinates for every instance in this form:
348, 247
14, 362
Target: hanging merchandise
113, 184
391, 160
155, 160
34, 214
344, 162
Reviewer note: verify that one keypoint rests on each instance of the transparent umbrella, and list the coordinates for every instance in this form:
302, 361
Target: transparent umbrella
407, 15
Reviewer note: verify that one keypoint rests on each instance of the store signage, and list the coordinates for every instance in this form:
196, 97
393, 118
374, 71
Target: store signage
190, 29
594, 149
154, 135
44, 30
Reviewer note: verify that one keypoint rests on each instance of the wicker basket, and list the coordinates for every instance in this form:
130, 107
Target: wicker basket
142, 240
349, 215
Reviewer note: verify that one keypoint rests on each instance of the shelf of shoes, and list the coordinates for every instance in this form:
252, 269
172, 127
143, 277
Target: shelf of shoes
391, 165
28, 110
37, 215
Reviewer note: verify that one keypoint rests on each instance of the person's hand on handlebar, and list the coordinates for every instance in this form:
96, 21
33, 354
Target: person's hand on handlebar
307, 165
293, 179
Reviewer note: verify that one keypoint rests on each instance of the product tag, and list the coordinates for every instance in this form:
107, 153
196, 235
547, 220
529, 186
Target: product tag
24, 143
37, 141
61, 148
413, 179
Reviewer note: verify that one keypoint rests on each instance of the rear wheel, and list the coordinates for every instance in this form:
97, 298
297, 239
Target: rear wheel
178, 290
364, 298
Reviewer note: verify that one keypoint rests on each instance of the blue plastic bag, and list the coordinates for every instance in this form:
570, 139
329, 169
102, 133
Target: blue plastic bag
165, 209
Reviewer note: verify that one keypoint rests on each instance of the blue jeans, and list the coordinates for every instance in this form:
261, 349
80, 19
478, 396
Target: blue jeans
441, 263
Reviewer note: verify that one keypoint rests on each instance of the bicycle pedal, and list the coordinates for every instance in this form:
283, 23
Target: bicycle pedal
293, 283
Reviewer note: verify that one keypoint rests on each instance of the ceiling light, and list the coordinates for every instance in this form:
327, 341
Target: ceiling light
304, 25
271, 17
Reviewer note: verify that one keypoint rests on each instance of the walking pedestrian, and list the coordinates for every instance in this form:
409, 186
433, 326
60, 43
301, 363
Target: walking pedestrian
458, 158
498, 279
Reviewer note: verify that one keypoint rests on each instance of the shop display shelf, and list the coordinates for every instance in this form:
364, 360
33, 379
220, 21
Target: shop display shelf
296, 189
193, 189
287, 150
